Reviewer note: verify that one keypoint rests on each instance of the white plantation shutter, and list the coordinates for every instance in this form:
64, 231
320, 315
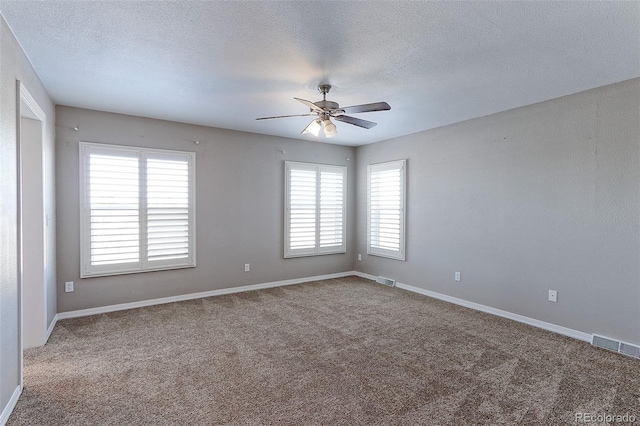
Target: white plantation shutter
167, 208
302, 209
137, 209
114, 209
332, 203
386, 209
315, 201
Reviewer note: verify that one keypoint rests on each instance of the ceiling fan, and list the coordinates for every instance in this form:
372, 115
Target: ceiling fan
324, 110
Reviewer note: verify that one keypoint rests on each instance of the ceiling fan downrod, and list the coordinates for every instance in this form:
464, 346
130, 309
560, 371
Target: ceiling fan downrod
324, 89
324, 103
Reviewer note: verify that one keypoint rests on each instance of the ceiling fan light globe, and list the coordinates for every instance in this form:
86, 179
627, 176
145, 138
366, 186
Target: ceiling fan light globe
313, 128
329, 129
316, 128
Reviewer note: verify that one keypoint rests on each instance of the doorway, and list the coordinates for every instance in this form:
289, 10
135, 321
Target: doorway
36, 225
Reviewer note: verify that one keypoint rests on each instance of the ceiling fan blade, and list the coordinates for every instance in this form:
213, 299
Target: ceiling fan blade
355, 121
310, 104
376, 106
285, 116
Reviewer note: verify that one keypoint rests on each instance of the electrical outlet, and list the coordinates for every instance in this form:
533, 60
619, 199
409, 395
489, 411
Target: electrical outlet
246, 267
68, 287
359, 257
457, 276
553, 296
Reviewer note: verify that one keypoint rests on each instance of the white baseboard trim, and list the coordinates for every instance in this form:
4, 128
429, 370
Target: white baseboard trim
50, 329
8, 409
363, 275
478, 307
190, 296
489, 310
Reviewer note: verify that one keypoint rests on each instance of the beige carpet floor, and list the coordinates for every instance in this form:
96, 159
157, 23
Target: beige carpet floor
343, 351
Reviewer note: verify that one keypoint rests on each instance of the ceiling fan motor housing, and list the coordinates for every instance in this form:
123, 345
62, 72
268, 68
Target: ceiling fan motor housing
327, 105
324, 103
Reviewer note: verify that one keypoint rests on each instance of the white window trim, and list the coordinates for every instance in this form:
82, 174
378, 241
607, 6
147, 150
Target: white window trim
317, 250
390, 165
88, 271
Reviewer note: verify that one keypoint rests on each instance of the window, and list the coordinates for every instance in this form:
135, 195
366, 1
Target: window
315, 200
137, 209
385, 209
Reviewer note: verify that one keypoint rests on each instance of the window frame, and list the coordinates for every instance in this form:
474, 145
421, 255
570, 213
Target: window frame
317, 250
379, 167
143, 264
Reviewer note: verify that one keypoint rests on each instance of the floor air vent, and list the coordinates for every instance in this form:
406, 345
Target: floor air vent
616, 346
630, 350
386, 281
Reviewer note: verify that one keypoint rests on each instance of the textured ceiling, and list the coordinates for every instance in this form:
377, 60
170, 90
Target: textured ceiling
223, 64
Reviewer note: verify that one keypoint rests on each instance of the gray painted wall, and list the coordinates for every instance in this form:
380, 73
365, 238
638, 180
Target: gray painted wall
239, 214
536, 198
14, 65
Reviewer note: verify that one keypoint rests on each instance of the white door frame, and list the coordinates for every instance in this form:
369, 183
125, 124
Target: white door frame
34, 112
